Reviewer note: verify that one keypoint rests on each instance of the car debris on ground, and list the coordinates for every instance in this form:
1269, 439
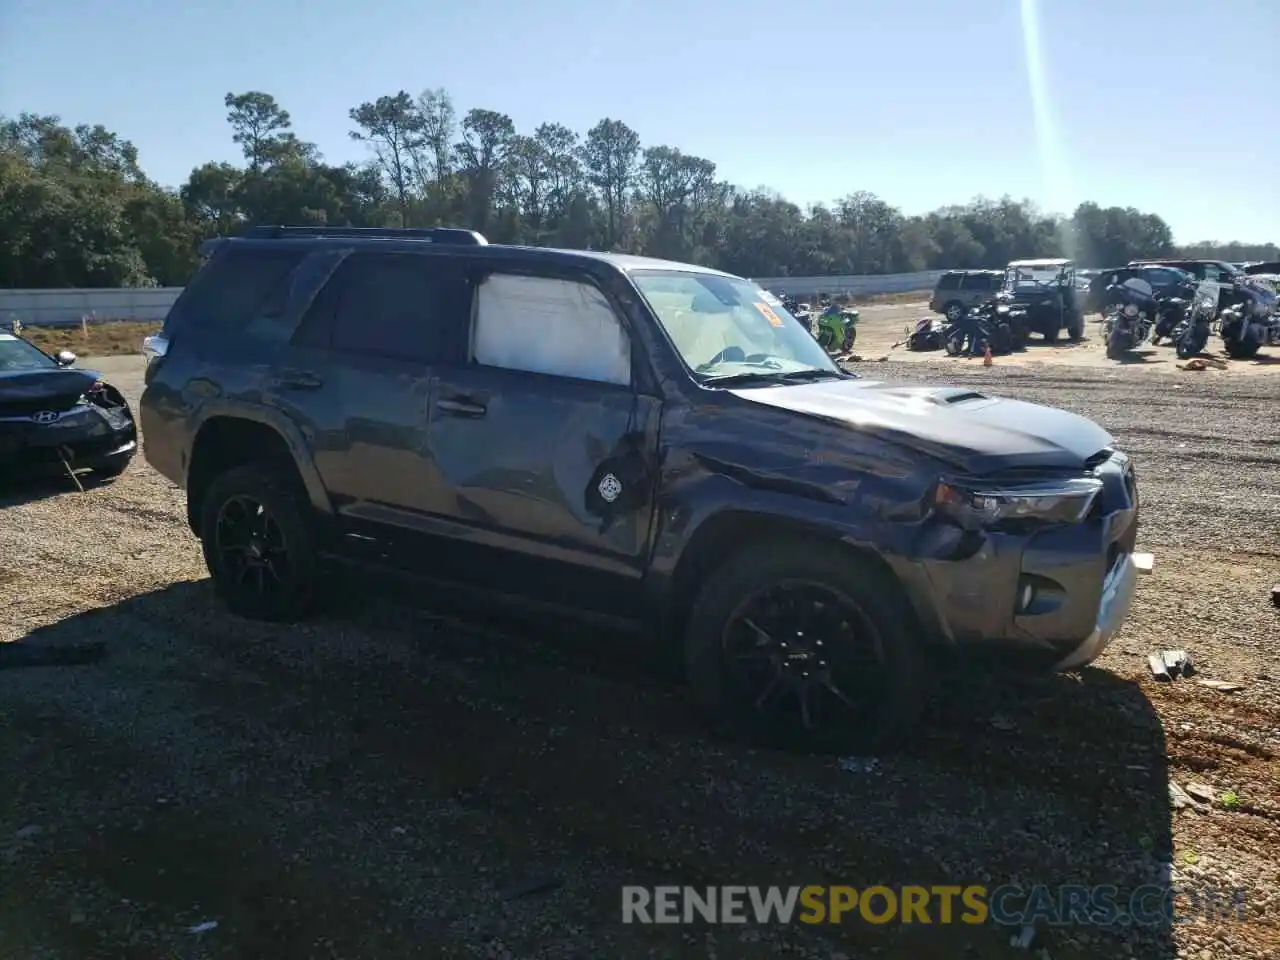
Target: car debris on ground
1222, 686
1171, 664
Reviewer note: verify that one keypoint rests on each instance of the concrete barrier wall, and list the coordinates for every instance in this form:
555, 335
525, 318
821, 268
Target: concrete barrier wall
852, 285
61, 308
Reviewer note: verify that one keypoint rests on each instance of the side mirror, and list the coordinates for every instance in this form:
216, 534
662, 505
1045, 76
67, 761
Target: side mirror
65, 358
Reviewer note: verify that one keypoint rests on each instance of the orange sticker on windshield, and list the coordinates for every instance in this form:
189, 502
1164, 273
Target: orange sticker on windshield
767, 312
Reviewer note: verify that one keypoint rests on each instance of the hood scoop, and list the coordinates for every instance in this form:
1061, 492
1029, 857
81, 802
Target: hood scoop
951, 396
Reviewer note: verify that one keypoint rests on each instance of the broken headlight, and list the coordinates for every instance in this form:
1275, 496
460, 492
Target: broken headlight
95, 392
978, 505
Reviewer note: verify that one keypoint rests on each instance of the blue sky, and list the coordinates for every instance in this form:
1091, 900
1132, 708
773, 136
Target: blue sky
923, 102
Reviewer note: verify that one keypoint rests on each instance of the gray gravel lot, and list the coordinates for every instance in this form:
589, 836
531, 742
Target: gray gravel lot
413, 781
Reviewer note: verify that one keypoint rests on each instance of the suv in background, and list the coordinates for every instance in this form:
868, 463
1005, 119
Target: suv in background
650, 445
1165, 282
1220, 276
960, 290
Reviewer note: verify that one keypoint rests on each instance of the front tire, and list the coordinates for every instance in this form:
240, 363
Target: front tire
260, 543
1190, 344
802, 644
1117, 345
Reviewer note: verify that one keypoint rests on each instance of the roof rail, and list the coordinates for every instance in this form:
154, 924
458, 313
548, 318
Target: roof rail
454, 235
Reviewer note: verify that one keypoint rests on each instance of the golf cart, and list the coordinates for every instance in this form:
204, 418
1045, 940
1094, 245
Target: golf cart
1047, 289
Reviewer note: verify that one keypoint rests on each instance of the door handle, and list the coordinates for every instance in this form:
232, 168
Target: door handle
298, 380
462, 407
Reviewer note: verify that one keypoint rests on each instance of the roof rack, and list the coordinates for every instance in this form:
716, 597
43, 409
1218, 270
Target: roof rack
453, 235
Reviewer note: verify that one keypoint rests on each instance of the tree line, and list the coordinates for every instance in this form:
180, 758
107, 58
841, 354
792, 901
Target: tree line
76, 209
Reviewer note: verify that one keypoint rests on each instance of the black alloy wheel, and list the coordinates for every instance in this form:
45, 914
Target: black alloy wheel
806, 655
260, 543
797, 643
251, 547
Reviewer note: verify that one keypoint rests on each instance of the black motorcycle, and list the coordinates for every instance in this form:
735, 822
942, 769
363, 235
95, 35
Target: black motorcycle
1130, 312
1190, 340
993, 324
1171, 319
1251, 324
926, 335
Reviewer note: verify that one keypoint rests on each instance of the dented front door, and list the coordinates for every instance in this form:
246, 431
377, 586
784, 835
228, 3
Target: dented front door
546, 482
549, 482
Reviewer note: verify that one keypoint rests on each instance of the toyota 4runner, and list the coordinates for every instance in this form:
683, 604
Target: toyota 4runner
653, 445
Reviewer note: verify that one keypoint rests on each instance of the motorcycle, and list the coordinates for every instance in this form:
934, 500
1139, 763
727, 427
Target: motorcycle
1190, 339
837, 329
1171, 319
1129, 316
925, 336
991, 324
1250, 326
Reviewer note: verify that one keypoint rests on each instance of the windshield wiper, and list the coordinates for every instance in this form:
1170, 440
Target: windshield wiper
799, 375
770, 376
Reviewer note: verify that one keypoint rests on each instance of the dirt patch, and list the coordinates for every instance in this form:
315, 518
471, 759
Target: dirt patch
106, 339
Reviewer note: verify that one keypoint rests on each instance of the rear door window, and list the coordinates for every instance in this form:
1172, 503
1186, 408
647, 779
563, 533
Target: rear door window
396, 306
238, 286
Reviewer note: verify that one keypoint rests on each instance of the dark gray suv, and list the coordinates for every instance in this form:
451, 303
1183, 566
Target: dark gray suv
654, 446
958, 291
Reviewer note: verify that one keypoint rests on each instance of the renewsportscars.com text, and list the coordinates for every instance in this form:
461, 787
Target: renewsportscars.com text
939, 904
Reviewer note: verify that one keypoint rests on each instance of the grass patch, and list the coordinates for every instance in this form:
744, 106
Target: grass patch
108, 339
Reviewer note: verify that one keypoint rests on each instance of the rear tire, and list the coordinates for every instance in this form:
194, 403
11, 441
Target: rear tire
286, 592
1075, 327
872, 614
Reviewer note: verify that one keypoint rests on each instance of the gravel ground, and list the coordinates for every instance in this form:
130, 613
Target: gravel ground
396, 781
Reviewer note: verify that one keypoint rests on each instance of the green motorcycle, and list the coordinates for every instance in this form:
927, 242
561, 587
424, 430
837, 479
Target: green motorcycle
837, 329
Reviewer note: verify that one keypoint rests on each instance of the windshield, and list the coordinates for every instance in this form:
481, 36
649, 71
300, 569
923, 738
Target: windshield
724, 326
17, 354
1031, 277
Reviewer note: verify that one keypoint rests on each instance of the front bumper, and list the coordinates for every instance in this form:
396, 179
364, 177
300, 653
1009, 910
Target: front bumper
82, 436
973, 592
1113, 609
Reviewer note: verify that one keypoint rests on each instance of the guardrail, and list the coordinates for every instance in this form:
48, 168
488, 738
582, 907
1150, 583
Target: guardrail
67, 308
851, 285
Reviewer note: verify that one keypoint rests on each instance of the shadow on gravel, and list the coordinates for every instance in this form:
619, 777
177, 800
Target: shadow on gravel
582, 767
44, 484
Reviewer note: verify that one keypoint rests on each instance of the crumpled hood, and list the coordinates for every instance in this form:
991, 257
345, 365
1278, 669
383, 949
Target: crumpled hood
968, 430
19, 385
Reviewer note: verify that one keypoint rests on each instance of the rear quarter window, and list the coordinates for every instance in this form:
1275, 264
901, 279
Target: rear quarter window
949, 281
236, 287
